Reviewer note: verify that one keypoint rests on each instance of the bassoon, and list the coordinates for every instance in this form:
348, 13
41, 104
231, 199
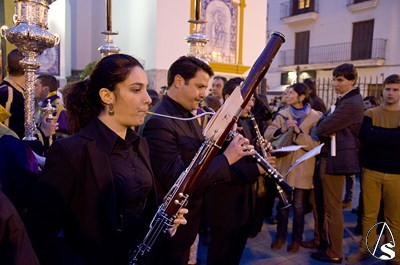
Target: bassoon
215, 134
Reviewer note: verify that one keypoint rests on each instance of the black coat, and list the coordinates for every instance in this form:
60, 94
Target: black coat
230, 204
345, 122
173, 144
73, 219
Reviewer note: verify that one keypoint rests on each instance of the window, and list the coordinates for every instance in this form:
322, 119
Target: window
304, 4
302, 47
361, 45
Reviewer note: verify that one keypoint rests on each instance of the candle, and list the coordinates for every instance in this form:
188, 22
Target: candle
198, 9
109, 24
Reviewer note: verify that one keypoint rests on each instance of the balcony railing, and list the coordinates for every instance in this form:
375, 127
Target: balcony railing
288, 10
333, 53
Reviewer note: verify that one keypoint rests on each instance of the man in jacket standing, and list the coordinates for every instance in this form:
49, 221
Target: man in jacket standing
339, 157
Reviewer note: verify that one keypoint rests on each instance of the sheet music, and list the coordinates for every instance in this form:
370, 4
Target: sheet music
313, 152
289, 148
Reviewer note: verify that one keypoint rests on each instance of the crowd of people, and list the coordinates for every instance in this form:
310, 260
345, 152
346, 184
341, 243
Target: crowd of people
86, 190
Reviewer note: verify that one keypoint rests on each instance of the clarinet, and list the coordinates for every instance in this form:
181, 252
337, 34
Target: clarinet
270, 170
215, 135
272, 173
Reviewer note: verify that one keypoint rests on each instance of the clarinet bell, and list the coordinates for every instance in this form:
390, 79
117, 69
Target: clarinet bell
285, 198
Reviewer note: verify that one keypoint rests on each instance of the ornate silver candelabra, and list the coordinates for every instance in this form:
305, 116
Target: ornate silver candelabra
197, 40
31, 36
109, 48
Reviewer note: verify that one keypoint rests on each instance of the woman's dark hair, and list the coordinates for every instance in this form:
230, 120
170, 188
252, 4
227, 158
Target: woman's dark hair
302, 89
187, 67
82, 99
312, 85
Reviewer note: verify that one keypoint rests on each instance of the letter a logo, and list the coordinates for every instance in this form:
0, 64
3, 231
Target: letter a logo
382, 251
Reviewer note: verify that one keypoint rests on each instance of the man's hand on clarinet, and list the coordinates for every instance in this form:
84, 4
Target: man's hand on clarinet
238, 148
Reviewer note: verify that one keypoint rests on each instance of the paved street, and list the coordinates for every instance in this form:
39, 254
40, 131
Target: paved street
258, 251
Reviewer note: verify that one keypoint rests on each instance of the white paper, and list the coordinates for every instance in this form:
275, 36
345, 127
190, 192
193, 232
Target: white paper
313, 152
332, 109
333, 145
289, 148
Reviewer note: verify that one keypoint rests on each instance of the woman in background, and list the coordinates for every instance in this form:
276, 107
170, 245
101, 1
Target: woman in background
302, 118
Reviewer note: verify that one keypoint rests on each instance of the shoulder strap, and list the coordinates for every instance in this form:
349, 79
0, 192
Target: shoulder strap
284, 117
8, 103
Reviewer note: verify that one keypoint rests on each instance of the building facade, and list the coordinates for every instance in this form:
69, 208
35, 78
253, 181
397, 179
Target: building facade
154, 32
322, 34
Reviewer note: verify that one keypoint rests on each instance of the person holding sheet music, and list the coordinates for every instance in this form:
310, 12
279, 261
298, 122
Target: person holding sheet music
302, 118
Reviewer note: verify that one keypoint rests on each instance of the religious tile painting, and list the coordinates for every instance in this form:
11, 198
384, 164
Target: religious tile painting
50, 61
221, 30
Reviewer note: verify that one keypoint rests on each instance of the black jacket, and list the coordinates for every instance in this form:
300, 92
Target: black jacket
345, 122
73, 218
230, 204
173, 144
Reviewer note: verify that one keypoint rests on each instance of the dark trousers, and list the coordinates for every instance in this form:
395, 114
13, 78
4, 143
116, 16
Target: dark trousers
300, 197
227, 245
270, 197
264, 206
350, 181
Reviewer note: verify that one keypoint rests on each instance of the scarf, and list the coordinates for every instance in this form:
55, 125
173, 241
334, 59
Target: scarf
300, 114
